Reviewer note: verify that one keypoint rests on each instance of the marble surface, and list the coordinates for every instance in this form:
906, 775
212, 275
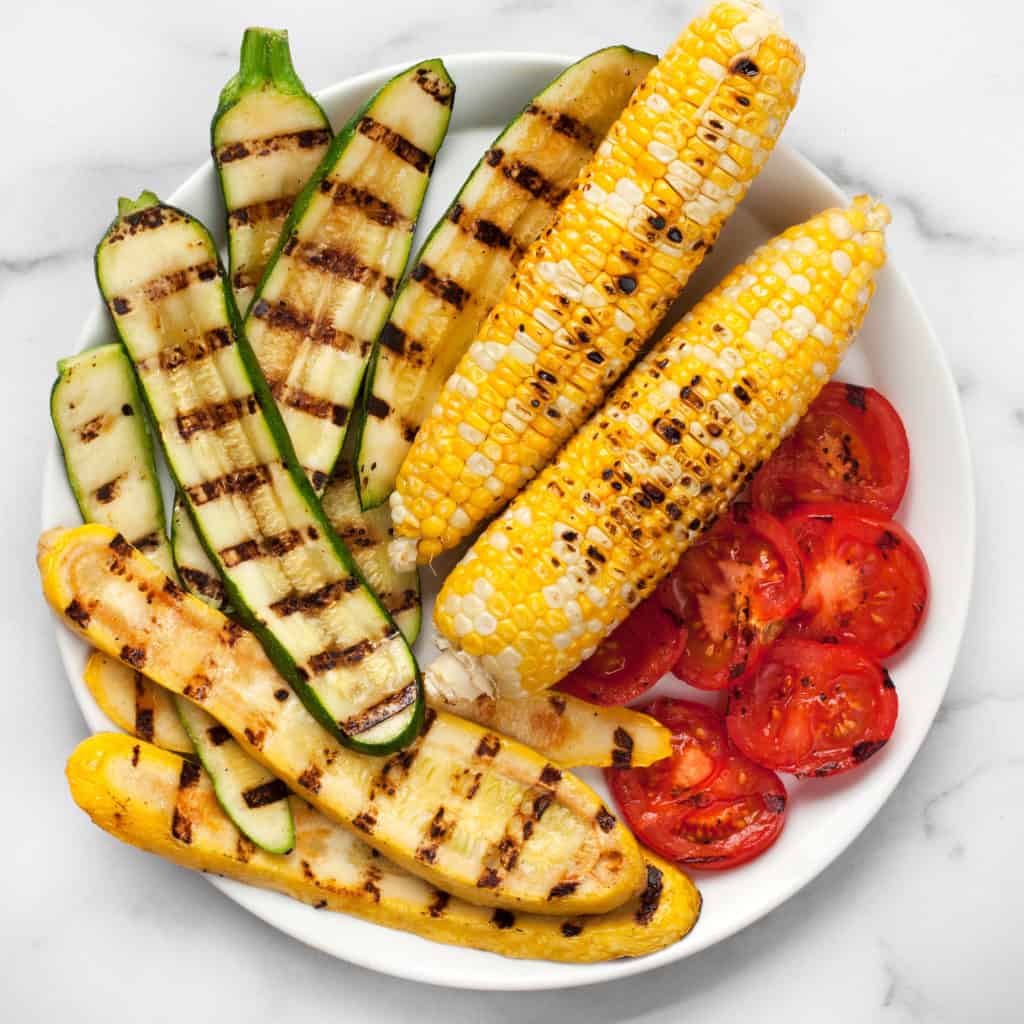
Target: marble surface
918, 921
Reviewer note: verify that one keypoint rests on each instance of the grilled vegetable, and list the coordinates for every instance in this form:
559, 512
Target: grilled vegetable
156, 801
101, 424
285, 571
98, 389
251, 796
568, 730
590, 291
194, 567
467, 261
367, 535
135, 704
268, 136
480, 815
594, 533
331, 281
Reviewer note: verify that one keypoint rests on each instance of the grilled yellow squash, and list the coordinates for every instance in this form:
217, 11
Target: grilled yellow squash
470, 811
158, 802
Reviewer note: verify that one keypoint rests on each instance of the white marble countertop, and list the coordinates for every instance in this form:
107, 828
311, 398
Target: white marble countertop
919, 920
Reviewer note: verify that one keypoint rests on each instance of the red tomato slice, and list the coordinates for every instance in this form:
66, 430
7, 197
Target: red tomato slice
866, 580
850, 446
731, 591
630, 660
707, 805
813, 709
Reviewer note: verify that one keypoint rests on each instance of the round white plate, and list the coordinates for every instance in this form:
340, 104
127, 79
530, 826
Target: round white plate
897, 352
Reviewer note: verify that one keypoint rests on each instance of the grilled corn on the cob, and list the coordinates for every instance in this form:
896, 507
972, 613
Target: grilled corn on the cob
590, 291
594, 533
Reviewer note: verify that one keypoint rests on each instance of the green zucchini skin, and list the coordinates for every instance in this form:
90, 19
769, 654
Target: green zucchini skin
96, 395
469, 256
329, 286
149, 214
99, 417
267, 136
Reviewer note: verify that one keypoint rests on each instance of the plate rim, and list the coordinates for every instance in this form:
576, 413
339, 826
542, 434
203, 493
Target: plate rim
569, 976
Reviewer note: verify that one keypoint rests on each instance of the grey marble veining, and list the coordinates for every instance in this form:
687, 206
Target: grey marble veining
919, 919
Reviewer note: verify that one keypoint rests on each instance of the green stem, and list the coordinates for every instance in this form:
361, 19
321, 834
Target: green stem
126, 206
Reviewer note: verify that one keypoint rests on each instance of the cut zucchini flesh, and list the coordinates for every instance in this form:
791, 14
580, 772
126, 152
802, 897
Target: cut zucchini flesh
476, 814
331, 281
267, 136
367, 535
252, 797
134, 703
100, 386
568, 730
159, 803
108, 456
469, 257
195, 570
285, 571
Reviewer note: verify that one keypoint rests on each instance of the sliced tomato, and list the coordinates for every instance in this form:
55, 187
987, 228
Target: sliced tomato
630, 660
866, 581
850, 446
707, 805
732, 590
813, 709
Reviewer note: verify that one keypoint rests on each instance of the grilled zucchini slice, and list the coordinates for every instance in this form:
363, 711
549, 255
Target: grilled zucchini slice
331, 281
463, 267
95, 396
108, 455
470, 811
268, 136
285, 571
159, 803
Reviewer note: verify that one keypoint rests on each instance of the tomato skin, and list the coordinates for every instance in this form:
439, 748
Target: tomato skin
707, 806
866, 580
851, 445
630, 660
733, 590
813, 709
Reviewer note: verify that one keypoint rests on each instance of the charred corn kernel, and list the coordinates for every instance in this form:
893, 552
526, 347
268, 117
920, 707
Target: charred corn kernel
589, 293
668, 452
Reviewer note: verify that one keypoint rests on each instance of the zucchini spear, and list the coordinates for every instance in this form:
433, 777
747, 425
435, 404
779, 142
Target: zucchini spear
157, 802
286, 573
469, 257
99, 417
331, 281
268, 136
477, 814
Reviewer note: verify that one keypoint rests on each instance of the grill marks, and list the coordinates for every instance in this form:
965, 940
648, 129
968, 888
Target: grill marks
444, 288
381, 711
281, 316
308, 138
565, 124
397, 144
149, 219
203, 583
190, 351
144, 709
527, 177
162, 286
372, 207
264, 794
181, 821
254, 213
436, 88
317, 600
239, 482
650, 898
310, 404
342, 264
215, 416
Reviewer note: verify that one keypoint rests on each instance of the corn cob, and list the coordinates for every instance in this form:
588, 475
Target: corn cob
590, 291
689, 426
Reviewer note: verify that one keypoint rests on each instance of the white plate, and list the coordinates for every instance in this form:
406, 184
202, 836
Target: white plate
897, 352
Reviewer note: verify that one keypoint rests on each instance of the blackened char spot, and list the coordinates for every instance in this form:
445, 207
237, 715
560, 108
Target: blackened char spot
856, 396
867, 748
264, 794
651, 896
563, 889
488, 746
77, 613
605, 820
503, 919
134, 656
550, 775
744, 66
570, 929
775, 803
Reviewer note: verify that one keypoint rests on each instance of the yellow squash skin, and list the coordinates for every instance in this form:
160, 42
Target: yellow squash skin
141, 795
569, 730
468, 810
